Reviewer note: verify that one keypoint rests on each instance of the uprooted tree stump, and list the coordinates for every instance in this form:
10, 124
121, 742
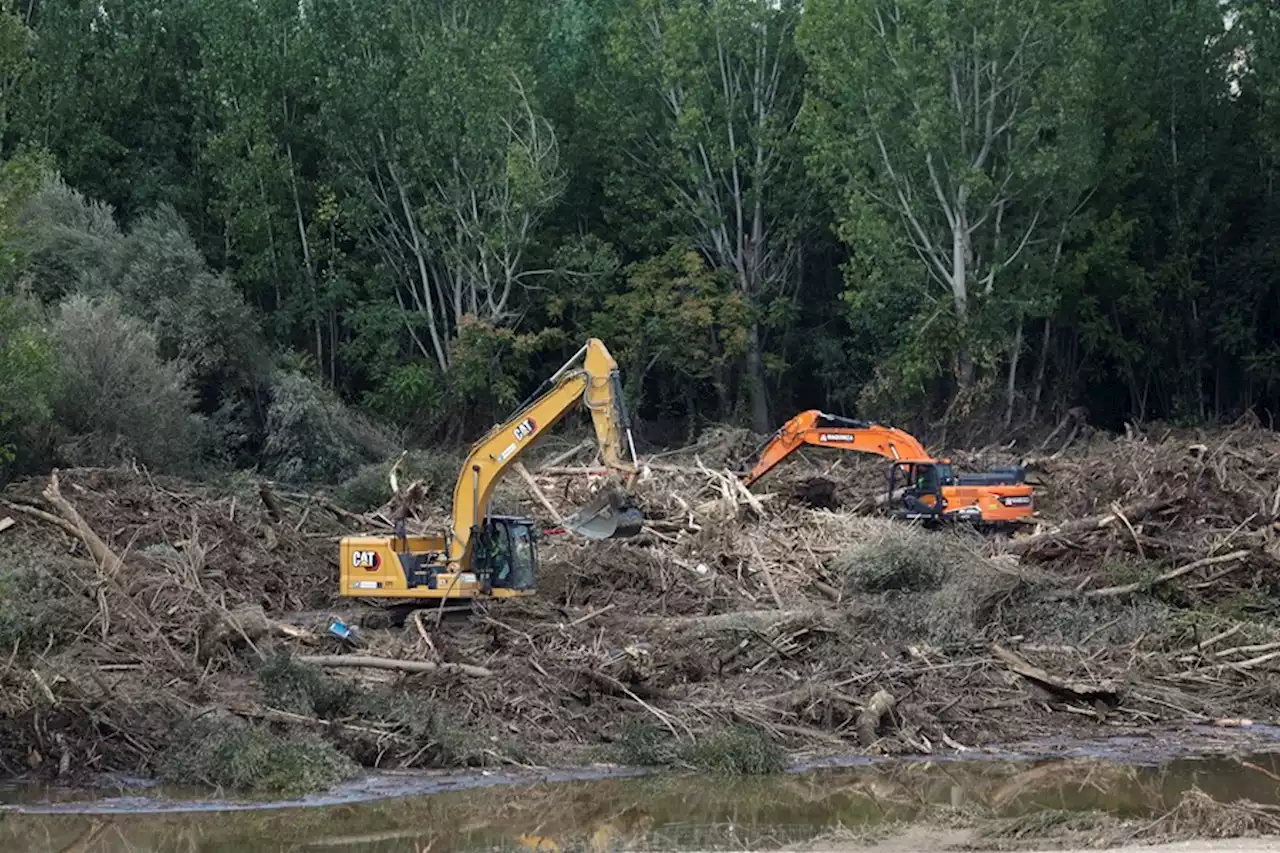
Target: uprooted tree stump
873, 713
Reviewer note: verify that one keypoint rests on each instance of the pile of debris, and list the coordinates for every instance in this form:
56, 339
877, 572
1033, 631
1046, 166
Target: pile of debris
1141, 599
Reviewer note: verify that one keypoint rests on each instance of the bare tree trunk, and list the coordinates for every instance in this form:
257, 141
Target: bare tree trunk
428, 291
307, 261
760, 420
960, 289
1012, 387
1040, 370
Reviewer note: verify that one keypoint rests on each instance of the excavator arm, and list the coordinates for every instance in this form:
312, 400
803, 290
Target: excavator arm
820, 429
596, 383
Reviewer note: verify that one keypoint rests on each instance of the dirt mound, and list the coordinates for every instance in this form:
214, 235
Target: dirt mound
134, 607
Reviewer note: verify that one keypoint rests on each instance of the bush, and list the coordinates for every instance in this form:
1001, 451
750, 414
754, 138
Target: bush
371, 487
196, 316
644, 745
26, 373
302, 688
440, 740
35, 608
903, 559
312, 436
740, 751
252, 759
68, 241
115, 399
918, 586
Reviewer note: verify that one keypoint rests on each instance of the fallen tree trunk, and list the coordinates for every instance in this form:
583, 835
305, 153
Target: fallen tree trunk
1073, 688
103, 555
1128, 588
392, 664
1133, 512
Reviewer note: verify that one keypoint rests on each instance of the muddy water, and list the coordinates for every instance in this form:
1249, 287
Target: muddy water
652, 812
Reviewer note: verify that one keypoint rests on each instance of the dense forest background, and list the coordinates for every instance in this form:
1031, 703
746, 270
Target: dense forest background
293, 235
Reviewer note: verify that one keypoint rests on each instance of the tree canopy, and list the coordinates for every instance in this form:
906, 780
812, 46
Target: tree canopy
293, 224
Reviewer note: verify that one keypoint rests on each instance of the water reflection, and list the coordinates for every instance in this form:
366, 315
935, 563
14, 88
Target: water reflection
656, 812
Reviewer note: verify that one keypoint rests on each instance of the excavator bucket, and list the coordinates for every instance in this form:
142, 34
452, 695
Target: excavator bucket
611, 515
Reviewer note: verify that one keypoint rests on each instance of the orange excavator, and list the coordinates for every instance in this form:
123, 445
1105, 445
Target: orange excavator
920, 487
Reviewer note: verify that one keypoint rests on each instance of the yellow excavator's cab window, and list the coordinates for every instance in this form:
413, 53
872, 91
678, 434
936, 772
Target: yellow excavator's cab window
507, 553
524, 557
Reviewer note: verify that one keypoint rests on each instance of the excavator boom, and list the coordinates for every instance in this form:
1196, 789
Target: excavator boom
487, 555
820, 429
597, 385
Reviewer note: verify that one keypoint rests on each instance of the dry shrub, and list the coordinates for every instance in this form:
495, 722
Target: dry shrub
914, 585
1198, 815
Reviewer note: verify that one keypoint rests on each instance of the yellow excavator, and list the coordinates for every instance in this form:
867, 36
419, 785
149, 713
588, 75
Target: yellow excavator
495, 556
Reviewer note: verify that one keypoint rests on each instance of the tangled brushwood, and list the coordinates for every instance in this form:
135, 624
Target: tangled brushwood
158, 627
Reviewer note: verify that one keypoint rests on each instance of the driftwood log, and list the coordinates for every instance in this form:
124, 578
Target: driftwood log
358, 661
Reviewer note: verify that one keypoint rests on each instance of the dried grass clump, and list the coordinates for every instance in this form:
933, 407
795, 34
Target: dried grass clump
926, 586
1198, 815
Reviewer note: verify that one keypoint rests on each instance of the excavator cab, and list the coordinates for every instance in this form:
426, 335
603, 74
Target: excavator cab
506, 556
921, 484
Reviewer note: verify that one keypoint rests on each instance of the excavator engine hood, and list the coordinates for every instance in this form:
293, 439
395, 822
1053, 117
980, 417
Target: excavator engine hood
611, 515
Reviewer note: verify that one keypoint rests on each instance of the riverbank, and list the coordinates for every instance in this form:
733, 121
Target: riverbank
177, 630
1099, 796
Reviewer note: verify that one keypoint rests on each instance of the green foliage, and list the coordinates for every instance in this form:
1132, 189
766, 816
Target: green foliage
37, 612
678, 328
115, 398
370, 488
231, 755
967, 126
27, 371
68, 241
738, 751
437, 208
909, 560
645, 745
311, 436
21, 177
303, 689
488, 366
